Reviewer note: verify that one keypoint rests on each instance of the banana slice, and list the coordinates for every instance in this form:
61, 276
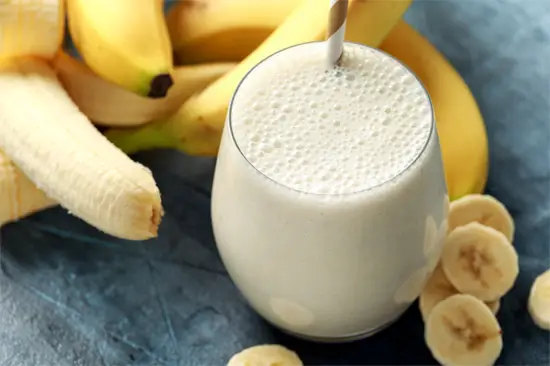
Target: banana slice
478, 260
265, 355
484, 209
539, 301
437, 289
493, 305
462, 330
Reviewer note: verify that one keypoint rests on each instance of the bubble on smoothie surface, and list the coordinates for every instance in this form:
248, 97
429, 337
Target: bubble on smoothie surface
331, 132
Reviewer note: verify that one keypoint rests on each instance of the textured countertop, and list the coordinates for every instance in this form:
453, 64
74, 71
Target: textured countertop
72, 296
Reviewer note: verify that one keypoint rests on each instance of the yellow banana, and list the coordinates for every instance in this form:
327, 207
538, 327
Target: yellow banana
223, 30
459, 122
196, 127
108, 104
125, 42
31, 28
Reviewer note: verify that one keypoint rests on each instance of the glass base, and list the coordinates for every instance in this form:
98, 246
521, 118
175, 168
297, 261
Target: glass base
342, 339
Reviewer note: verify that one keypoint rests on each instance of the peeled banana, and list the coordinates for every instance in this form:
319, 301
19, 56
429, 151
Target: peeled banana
266, 354
223, 30
460, 125
108, 104
125, 42
462, 330
478, 260
57, 147
539, 300
196, 127
19, 196
484, 209
31, 28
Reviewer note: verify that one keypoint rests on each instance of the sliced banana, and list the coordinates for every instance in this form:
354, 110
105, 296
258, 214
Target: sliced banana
437, 288
494, 306
539, 301
484, 209
478, 260
265, 355
462, 330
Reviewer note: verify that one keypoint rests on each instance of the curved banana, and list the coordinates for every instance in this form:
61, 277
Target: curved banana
30, 28
196, 127
223, 30
56, 146
108, 104
461, 129
125, 42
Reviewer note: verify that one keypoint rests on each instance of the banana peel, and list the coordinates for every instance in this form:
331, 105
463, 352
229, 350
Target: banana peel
131, 50
108, 104
19, 196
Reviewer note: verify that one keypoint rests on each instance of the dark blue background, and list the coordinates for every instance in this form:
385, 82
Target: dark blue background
72, 296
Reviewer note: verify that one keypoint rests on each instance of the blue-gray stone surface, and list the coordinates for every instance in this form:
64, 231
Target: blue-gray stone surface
73, 296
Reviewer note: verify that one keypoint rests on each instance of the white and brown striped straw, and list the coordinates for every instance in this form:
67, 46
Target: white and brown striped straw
336, 30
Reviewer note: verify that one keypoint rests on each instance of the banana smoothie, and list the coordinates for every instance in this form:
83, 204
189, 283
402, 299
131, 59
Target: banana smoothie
329, 199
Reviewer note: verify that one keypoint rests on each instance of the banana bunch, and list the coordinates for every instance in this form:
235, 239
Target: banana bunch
126, 81
244, 32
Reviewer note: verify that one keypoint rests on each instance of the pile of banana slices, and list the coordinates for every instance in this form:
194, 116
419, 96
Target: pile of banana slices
477, 267
459, 303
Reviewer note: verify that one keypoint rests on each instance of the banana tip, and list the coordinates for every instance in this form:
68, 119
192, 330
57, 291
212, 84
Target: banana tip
156, 218
160, 86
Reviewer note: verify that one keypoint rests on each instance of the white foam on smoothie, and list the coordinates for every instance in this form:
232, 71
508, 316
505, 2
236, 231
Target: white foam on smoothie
331, 132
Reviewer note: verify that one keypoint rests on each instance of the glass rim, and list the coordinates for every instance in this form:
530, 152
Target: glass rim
364, 190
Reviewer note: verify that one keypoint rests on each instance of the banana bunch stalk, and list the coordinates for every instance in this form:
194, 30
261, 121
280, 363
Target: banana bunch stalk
127, 81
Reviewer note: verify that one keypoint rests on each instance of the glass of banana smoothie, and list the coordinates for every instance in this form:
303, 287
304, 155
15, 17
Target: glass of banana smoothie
329, 201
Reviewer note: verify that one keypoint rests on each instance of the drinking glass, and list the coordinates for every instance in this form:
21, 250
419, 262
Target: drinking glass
328, 267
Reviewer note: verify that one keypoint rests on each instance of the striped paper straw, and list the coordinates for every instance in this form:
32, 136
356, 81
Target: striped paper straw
336, 30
